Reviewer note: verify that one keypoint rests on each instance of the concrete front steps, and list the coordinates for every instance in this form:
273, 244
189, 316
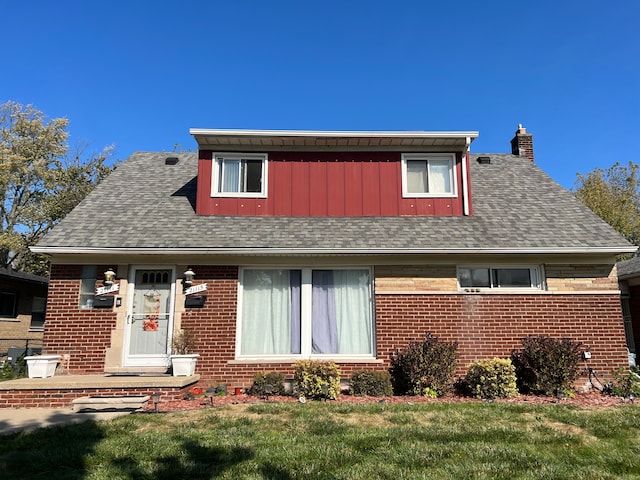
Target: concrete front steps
61, 391
130, 403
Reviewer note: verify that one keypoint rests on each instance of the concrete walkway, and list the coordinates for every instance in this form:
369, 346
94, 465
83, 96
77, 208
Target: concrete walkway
25, 419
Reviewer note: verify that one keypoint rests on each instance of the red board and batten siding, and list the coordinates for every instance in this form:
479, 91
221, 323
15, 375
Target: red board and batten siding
329, 185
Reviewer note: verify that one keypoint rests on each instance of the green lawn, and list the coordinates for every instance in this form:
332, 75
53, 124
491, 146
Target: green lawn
338, 441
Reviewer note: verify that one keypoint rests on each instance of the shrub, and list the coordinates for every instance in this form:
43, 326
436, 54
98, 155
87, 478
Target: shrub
625, 383
492, 378
547, 365
371, 382
184, 342
10, 372
424, 365
310, 376
275, 380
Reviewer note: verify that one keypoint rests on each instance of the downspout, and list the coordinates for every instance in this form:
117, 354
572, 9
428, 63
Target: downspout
465, 188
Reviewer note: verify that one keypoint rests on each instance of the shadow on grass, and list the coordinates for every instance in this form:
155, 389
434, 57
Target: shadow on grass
194, 462
53, 452
100, 448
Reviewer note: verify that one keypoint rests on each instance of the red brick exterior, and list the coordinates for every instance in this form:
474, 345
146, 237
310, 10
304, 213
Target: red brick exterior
483, 325
63, 398
83, 334
522, 144
492, 325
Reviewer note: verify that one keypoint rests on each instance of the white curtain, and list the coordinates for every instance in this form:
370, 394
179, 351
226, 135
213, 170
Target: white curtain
341, 320
230, 175
417, 176
439, 176
353, 311
266, 312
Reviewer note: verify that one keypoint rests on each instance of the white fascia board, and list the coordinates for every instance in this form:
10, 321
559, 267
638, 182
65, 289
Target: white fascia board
328, 133
329, 251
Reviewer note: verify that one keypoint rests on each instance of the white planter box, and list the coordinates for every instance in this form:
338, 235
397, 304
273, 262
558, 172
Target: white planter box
184, 365
42, 366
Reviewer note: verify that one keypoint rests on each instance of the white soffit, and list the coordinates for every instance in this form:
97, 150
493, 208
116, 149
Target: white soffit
310, 138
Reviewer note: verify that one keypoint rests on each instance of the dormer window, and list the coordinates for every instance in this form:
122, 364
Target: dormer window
239, 175
428, 175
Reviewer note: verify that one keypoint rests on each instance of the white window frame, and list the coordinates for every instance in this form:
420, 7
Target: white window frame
305, 316
218, 159
539, 274
450, 157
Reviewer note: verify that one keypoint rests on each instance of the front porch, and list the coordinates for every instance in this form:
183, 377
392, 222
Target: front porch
60, 391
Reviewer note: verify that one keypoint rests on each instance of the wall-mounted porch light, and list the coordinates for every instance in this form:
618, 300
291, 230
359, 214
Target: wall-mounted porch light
188, 278
109, 277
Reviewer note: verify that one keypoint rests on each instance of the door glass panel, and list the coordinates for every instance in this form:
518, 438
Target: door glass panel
150, 312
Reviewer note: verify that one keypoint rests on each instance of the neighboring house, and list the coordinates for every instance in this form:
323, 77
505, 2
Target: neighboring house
23, 298
629, 281
342, 246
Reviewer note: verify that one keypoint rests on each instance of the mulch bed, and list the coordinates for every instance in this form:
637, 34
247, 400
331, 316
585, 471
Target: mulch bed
592, 398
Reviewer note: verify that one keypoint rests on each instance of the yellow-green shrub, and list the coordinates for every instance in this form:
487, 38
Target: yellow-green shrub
492, 378
309, 376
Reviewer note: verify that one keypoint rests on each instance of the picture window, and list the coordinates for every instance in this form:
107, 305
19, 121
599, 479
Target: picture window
305, 313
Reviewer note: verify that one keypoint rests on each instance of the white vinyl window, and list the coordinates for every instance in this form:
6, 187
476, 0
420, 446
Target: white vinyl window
428, 175
500, 277
305, 313
239, 175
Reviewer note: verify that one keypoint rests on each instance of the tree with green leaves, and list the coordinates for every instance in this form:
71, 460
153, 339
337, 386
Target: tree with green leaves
614, 195
41, 181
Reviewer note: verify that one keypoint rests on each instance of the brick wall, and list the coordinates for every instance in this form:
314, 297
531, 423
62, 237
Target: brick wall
574, 278
492, 325
82, 334
483, 325
63, 398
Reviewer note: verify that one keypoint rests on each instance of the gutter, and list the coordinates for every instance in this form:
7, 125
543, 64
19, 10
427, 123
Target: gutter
328, 133
329, 251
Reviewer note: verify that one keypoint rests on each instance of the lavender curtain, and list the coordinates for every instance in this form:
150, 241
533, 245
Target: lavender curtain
324, 335
295, 281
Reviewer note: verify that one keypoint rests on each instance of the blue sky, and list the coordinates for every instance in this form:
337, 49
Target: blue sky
139, 74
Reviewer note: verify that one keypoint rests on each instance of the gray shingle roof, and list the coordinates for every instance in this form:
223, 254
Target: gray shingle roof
146, 204
22, 277
629, 268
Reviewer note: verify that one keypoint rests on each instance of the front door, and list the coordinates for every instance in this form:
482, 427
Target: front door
149, 317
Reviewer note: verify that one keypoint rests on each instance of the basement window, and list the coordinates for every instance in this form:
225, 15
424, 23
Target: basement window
239, 175
500, 277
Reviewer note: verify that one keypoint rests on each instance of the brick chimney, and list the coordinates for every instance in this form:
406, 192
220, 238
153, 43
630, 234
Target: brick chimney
522, 143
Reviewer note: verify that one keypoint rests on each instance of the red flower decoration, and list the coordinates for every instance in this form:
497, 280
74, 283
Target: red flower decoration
195, 391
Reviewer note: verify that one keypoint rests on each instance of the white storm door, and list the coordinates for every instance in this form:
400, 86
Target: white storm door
149, 316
